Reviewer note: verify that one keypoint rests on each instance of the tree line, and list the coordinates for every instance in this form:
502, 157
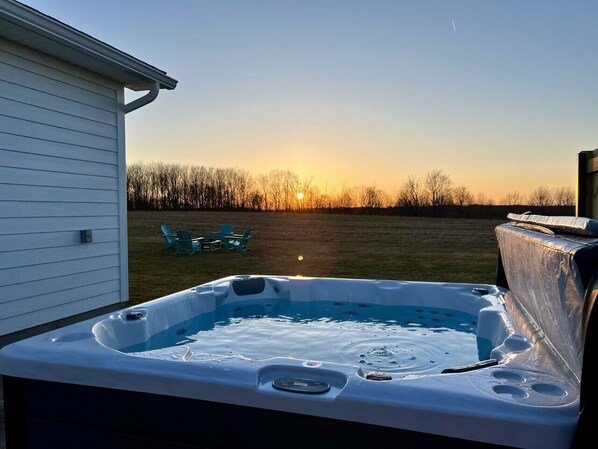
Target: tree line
161, 186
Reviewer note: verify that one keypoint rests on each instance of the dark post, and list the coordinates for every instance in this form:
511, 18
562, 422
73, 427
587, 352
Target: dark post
587, 184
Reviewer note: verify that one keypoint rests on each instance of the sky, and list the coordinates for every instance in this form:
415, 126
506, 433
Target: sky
500, 95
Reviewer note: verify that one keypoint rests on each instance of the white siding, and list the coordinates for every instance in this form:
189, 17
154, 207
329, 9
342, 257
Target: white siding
61, 171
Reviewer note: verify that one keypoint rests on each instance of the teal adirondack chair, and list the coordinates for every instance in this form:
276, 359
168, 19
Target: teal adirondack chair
169, 237
238, 242
185, 244
225, 229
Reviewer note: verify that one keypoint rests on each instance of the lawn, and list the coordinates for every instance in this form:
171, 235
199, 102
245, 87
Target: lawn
359, 246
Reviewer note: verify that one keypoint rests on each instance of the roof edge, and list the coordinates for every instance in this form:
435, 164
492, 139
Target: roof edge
63, 34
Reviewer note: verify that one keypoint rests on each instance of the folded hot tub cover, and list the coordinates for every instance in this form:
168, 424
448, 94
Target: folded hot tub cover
569, 225
547, 275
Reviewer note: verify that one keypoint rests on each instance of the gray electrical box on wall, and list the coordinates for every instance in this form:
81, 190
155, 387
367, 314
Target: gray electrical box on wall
86, 236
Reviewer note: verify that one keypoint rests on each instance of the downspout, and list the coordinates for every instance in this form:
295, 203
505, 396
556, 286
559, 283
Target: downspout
146, 99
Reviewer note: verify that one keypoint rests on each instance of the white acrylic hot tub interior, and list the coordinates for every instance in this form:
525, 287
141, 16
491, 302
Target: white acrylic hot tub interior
505, 398
140, 327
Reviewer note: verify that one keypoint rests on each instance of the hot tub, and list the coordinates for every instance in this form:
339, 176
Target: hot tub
140, 377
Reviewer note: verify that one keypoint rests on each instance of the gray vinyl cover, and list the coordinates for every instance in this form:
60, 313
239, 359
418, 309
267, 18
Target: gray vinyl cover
570, 225
547, 276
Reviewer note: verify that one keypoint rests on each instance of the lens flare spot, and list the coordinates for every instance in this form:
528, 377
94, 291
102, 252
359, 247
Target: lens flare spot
300, 258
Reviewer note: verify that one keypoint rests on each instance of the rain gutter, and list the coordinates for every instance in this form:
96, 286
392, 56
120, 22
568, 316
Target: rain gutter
146, 99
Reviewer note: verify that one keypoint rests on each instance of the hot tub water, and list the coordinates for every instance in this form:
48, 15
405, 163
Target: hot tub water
393, 339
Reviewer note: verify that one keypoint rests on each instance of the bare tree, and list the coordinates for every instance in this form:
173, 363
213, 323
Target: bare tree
255, 200
462, 196
563, 196
438, 187
324, 201
241, 184
138, 185
176, 176
276, 183
263, 184
312, 197
512, 199
290, 185
210, 190
218, 185
228, 188
304, 187
385, 199
541, 196
483, 200
370, 197
346, 198
412, 193
198, 187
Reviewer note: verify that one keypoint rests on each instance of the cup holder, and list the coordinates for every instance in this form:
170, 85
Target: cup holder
530, 388
508, 376
510, 390
549, 390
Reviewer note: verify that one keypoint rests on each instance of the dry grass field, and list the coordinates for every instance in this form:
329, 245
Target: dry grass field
360, 246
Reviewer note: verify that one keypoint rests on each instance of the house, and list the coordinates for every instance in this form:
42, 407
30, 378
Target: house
63, 223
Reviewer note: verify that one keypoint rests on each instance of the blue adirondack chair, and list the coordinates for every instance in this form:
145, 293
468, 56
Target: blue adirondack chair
185, 244
169, 237
238, 242
225, 229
